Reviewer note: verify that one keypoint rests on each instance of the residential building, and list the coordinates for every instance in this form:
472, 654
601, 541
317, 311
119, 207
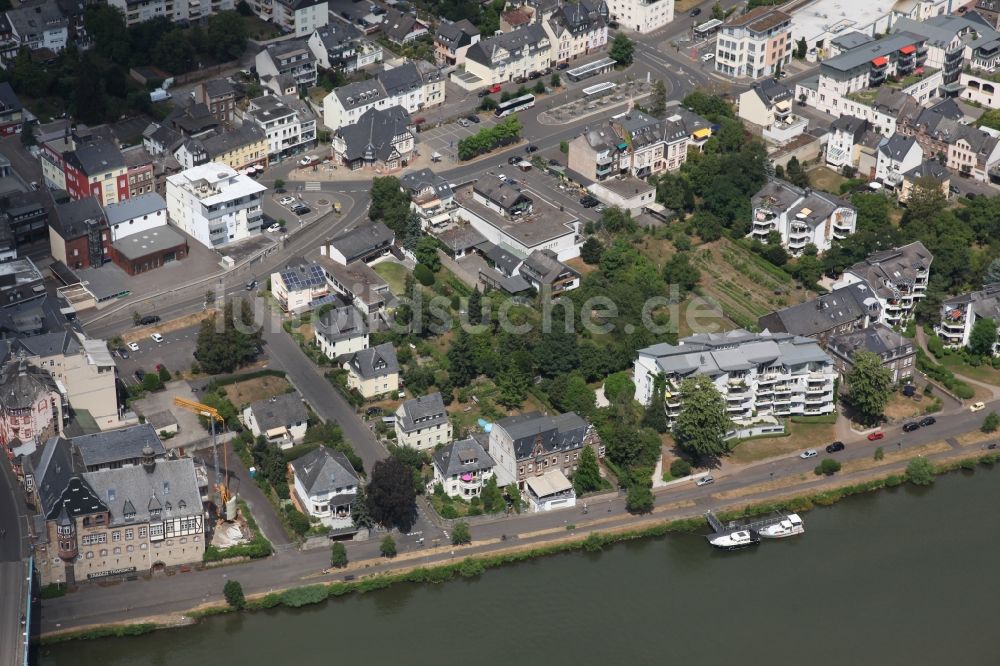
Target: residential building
373, 371
298, 288
643, 16
402, 28
530, 445
340, 332
141, 171
505, 57
552, 490
898, 354
11, 111
801, 216
85, 167
462, 468
345, 105
951, 42
577, 29
290, 58
214, 204
136, 215
79, 235
282, 419
626, 192
413, 85
959, 315
897, 278
974, 153
755, 44
431, 197
768, 105
452, 41
838, 312
287, 122
358, 283
366, 243
928, 169
515, 19
219, 96
241, 148
178, 11
989, 10
844, 139
343, 47
325, 485
896, 156
380, 140
32, 408
112, 522
461, 240
298, 17
544, 272
35, 26
26, 215
758, 374
192, 119
118, 448
20, 281
159, 139
422, 423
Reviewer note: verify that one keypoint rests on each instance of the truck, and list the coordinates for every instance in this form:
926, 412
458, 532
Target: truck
159, 95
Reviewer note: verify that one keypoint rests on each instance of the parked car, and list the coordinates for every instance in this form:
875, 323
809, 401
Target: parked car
554, 162
695, 12
463, 122
157, 338
139, 374
875, 436
473, 118
513, 160
286, 201
977, 407
927, 421
148, 319
122, 352
613, 25
808, 453
534, 75
909, 390
301, 209
494, 89
911, 426
562, 65
483, 93
251, 285
134, 346
834, 447
600, 208
274, 227
519, 80
588, 201
708, 56
531, 148
705, 481
307, 160
373, 411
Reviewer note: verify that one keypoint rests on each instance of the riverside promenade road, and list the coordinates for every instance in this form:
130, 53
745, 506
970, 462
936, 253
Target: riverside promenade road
166, 599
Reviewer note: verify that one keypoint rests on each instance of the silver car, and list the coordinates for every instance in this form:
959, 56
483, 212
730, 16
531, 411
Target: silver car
809, 453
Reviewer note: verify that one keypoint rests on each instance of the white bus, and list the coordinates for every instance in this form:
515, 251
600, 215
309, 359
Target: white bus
514, 105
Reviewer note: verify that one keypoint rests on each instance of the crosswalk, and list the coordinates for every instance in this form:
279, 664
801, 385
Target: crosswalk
312, 186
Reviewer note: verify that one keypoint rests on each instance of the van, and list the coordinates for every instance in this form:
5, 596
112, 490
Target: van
251, 285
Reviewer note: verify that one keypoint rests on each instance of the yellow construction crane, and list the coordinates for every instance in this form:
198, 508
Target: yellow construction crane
228, 503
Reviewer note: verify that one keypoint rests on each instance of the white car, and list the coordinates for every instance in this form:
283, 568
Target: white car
705, 481
286, 201
464, 123
307, 160
134, 346
707, 57
809, 453
157, 337
977, 407
274, 227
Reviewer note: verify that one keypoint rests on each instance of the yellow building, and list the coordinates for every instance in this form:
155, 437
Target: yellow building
373, 371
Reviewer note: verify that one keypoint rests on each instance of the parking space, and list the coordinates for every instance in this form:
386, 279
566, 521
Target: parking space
444, 139
176, 352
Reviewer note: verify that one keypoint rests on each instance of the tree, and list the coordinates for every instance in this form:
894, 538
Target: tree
227, 37
389, 203
993, 272
680, 271
639, 498
164, 374
223, 346
539, 87
151, 382
990, 119
983, 336
233, 592
622, 50
513, 385
619, 389
388, 546
655, 416
555, 81
460, 534
991, 423
869, 386
718, 12
413, 233
680, 468
338, 555
587, 477
391, 494
616, 220
279, 183
426, 252
360, 514
801, 48
492, 496
702, 422
514, 497
424, 275
795, 174
591, 251
659, 103
828, 467
462, 359
920, 471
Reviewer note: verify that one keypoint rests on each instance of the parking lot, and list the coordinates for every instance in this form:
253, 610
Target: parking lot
444, 139
176, 352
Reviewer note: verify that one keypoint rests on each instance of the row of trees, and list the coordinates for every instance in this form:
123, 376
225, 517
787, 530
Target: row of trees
504, 133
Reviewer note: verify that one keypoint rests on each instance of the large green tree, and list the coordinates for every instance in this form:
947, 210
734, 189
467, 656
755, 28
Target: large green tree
702, 422
869, 386
389, 203
223, 346
983, 336
681, 272
227, 36
391, 494
622, 49
513, 385
461, 359
587, 477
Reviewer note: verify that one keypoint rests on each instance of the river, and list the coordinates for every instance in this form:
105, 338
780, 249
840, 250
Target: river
900, 576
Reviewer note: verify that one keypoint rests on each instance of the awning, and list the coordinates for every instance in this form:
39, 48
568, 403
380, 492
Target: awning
702, 133
908, 49
880, 61
783, 106
276, 432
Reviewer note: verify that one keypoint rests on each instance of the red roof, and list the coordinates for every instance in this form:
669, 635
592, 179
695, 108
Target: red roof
908, 49
880, 61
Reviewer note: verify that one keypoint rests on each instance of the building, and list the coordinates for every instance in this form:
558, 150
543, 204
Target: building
340, 332
896, 156
298, 17
11, 111
768, 105
373, 371
345, 105
282, 419
118, 448
552, 490
462, 468
422, 423
288, 124
79, 235
637, 144
413, 85
35, 26
178, 11
112, 522
291, 58
402, 28
141, 172
452, 41
140, 214
897, 353
85, 167
529, 445
358, 283
431, 197
931, 169
298, 288
643, 16
626, 192
326, 486
974, 153
214, 204
841, 311
844, 138
544, 272
758, 374
754, 45
219, 96
896, 277
366, 242
380, 140
26, 215
505, 57
241, 148
801, 216
32, 408
577, 29
959, 315
952, 42
20, 281
343, 47
146, 250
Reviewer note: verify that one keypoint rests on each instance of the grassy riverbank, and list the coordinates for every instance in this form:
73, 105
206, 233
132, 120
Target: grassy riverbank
470, 567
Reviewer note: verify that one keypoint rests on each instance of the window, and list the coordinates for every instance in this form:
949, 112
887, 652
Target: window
142, 532
129, 534
116, 535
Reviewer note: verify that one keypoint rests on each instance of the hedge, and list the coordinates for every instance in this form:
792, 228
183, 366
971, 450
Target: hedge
226, 380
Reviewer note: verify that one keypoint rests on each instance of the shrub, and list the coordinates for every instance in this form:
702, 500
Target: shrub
879, 453
304, 596
423, 275
828, 467
338, 555
920, 471
679, 468
233, 592
387, 547
991, 423
460, 534
470, 568
639, 499
593, 543
893, 480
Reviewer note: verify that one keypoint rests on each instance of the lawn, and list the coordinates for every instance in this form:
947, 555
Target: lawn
394, 274
826, 179
260, 30
983, 373
801, 436
258, 388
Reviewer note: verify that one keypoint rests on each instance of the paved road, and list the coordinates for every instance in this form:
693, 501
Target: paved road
13, 551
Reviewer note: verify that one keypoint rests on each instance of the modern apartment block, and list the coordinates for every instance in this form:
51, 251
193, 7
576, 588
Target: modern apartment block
897, 278
215, 204
288, 123
178, 11
641, 15
291, 60
959, 315
754, 45
757, 374
801, 216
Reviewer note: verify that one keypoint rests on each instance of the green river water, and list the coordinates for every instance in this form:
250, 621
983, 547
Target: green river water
902, 576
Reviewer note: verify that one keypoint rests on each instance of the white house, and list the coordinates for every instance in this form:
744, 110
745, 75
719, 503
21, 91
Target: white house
845, 134
299, 17
136, 215
959, 315
641, 15
291, 59
37, 25
326, 486
214, 204
896, 156
282, 420
298, 288
462, 468
897, 278
341, 331
800, 216
422, 423
289, 125
552, 490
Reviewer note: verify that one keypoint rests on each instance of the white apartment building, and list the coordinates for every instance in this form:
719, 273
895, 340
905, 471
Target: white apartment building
422, 423
801, 216
341, 332
175, 10
412, 85
136, 215
897, 278
36, 26
896, 156
505, 57
757, 374
215, 204
299, 17
641, 16
576, 29
845, 133
289, 125
959, 315
755, 44
291, 62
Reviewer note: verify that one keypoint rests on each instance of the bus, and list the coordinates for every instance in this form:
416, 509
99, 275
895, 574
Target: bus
514, 105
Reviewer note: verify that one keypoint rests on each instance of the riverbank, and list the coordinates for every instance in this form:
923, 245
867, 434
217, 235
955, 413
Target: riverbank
589, 538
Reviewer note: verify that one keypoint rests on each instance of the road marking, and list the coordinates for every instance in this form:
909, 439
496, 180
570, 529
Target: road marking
312, 186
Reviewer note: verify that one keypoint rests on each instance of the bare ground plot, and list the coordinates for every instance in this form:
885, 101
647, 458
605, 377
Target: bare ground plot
901, 408
168, 326
258, 388
801, 436
826, 179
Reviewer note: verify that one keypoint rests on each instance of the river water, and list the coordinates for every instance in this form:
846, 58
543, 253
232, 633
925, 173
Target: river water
903, 576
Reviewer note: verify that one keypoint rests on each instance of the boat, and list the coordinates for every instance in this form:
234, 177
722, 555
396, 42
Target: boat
790, 525
734, 540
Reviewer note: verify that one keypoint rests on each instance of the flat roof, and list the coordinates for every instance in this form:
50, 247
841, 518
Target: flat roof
627, 186
833, 17
543, 224
552, 482
136, 246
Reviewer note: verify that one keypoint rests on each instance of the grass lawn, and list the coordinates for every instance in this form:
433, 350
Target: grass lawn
801, 436
394, 274
258, 388
984, 373
826, 179
259, 29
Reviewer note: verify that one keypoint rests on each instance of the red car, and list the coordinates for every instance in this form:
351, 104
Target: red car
495, 88
875, 435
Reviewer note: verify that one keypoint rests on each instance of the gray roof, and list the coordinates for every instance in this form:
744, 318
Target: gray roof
373, 137
462, 457
21, 384
424, 179
56, 468
423, 412
106, 448
985, 302
36, 18
8, 98
499, 192
169, 490
128, 209
980, 141
279, 411
216, 88
97, 156
397, 25
399, 80
898, 266
864, 54
821, 314
375, 361
941, 30
878, 339
898, 146
461, 238
513, 42
504, 261
71, 218
850, 125
777, 195
341, 323
144, 243
771, 91
929, 169
544, 267
360, 93
850, 40
323, 471
49, 344
456, 34
562, 432
362, 240
226, 140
